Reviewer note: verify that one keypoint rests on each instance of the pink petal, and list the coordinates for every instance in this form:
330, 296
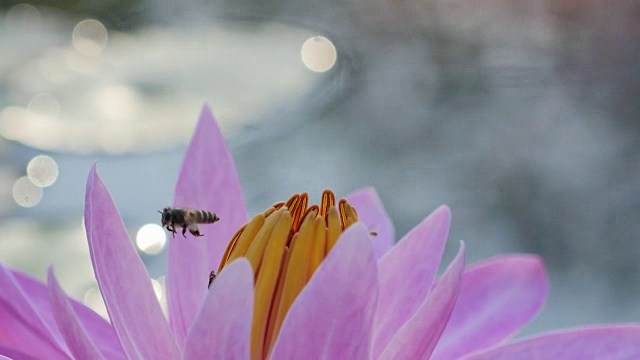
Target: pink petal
222, 329
123, 280
100, 331
611, 342
23, 326
76, 336
372, 213
8, 354
406, 273
208, 181
419, 336
498, 297
332, 317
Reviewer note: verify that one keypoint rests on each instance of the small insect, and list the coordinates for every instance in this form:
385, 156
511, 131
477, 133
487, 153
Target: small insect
186, 219
212, 276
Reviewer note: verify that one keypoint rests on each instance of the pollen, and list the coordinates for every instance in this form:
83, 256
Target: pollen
285, 245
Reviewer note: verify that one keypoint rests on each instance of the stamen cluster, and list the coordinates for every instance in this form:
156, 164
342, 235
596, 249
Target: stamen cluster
285, 245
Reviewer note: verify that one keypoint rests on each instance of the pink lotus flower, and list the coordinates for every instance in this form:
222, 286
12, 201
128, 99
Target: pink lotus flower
366, 298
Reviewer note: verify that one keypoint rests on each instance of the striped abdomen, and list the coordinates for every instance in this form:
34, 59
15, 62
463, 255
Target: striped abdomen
205, 216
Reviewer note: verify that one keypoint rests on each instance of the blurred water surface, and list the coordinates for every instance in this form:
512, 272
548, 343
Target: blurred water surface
521, 116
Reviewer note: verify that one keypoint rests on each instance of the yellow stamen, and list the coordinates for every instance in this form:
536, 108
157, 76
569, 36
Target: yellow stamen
232, 244
259, 244
328, 200
292, 200
244, 240
333, 227
319, 245
351, 216
295, 276
298, 209
343, 213
273, 208
312, 209
285, 245
270, 337
266, 282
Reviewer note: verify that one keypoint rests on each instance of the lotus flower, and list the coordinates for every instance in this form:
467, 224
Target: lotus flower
297, 281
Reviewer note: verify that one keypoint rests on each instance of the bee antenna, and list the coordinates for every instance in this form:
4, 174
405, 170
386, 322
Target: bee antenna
160, 211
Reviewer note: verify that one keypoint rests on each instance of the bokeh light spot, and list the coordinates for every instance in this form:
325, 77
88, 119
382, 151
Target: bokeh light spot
20, 17
93, 299
157, 289
90, 37
25, 193
42, 170
318, 54
151, 239
162, 294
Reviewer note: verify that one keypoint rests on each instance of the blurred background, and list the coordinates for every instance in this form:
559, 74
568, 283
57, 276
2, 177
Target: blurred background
522, 116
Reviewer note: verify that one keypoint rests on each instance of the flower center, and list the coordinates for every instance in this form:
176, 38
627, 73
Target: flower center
285, 245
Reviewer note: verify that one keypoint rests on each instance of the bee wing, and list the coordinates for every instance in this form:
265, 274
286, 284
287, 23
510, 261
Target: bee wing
190, 222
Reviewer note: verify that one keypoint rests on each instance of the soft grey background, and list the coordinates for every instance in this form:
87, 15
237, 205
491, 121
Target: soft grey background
522, 116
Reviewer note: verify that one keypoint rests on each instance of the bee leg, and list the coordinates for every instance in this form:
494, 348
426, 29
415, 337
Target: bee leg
195, 232
193, 228
184, 232
171, 229
212, 276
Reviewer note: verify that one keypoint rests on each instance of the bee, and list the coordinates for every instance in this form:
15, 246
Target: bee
186, 219
212, 277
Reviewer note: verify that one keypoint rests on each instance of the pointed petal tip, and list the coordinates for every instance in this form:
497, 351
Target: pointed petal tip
407, 272
206, 114
92, 173
369, 189
208, 180
523, 263
498, 297
463, 248
365, 191
242, 265
372, 213
440, 216
418, 336
91, 178
460, 259
118, 268
535, 263
442, 210
527, 265
50, 274
206, 108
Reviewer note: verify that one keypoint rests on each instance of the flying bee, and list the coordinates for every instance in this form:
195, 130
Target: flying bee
186, 219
